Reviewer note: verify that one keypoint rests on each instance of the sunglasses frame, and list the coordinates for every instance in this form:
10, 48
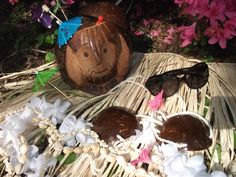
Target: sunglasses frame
183, 71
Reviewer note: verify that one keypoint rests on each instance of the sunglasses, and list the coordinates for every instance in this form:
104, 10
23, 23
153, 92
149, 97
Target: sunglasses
195, 77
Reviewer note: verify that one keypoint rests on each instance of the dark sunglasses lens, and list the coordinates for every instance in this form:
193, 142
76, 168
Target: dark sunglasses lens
197, 76
168, 83
187, 129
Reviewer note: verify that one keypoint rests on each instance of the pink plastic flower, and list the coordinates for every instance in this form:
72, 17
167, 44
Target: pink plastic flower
157, 101
12, 2
218, 35
216, 11
143, 157
187, 34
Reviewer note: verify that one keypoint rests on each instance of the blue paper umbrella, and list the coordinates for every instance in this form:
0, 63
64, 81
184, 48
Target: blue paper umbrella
67, 29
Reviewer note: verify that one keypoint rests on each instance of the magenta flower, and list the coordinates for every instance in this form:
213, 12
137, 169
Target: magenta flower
218, 35
12, 2
154, 33
171, 31
157, 101
181, 2
230, 27
168, 40
216, 11
187, 34
199, 7
143, 157
68, 2
146, 22
138, 33
230, 8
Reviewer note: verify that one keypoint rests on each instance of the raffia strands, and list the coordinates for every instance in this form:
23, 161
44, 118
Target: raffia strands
216, 101
219, 91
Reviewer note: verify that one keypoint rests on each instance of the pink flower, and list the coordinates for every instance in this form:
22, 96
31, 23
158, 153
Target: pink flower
143, 157
171, 31
68, 2
181, 2
146, 22
154, 33
157, 101
138, 33
218, 34
168, 40
187, 34
199, 7
230, 6
216, 11
12, 2
230, 27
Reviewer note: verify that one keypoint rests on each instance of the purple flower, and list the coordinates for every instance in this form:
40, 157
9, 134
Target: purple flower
42, 17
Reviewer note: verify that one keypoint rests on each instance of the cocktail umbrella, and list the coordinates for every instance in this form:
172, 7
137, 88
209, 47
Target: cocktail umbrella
67, 29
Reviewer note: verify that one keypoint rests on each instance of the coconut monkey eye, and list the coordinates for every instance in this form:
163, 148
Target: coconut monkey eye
105, 50
86, 54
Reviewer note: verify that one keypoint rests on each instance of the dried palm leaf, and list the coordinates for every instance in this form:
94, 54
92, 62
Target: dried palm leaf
215, 101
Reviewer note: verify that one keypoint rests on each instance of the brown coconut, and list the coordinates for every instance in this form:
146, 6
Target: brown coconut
98, 56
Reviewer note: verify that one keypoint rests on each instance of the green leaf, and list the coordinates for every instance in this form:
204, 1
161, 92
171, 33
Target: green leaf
50, 39
56, 7
70, 159
42, 77
186, 50
49, 57
209, 58
55, 32
40, 40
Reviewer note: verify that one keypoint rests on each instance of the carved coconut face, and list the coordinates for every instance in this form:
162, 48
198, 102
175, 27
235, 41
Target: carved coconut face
96, 64
97, 58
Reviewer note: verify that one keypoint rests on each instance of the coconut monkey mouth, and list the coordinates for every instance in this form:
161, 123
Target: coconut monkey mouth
98, 78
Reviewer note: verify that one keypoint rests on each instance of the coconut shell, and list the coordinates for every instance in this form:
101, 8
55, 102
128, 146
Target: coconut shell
98, 56
187, 129
114, 121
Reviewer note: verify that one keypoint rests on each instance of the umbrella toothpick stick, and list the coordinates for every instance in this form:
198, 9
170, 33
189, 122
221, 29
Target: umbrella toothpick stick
46, 9
63, 12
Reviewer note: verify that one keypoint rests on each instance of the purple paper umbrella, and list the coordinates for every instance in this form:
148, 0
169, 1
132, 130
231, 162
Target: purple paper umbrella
42, 17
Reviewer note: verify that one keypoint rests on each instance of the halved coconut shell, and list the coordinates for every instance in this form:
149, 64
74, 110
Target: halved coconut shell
187, 128
114, 121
